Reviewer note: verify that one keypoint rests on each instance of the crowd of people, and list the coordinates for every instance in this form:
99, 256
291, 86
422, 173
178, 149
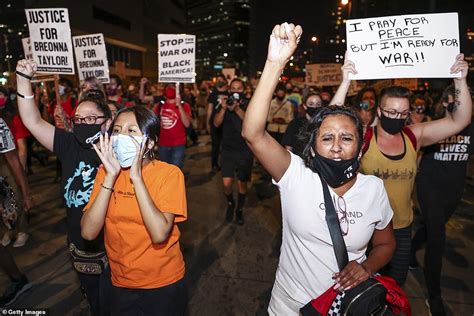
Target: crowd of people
382, 153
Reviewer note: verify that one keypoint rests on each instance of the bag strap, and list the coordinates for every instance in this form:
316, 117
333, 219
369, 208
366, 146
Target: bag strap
334, 226
369, 133
410, 135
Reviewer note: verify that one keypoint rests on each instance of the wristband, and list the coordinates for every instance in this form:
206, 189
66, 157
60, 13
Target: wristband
28, 97
107, 188
23, 75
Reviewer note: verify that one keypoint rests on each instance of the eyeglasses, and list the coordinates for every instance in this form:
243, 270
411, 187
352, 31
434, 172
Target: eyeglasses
395, 114
87, 120
340, 204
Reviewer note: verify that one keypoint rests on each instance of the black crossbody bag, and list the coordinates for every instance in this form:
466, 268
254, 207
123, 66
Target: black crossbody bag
369, 297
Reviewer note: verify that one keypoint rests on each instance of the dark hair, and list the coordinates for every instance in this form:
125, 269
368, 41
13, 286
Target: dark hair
394, 92
311, 94
95, 82
449, 90
360, 94
418, 96
280, 87
147, 121
307, 135
94, 94
237, 80
117, 79
66, 82
100, 103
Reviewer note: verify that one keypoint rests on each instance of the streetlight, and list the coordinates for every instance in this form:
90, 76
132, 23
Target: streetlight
344, 2
225, 54
314, 39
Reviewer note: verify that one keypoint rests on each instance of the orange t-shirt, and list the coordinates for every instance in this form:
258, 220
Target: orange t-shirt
134, 260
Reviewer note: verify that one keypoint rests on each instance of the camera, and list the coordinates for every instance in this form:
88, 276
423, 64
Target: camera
233, 97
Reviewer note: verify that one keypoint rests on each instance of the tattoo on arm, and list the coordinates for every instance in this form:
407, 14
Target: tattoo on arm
457, 103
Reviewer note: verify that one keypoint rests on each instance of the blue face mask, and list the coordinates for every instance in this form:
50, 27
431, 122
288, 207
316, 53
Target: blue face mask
125, 148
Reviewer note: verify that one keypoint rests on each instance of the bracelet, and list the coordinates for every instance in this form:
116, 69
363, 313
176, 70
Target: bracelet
107, 188
28, 97
23, 75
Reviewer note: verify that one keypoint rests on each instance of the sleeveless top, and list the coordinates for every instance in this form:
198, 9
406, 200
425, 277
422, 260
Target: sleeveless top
398, 176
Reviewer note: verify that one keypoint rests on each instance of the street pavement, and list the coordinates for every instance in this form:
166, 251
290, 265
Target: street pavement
230, 268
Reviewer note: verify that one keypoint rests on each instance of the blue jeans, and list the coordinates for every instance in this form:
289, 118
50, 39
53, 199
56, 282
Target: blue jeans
172, 154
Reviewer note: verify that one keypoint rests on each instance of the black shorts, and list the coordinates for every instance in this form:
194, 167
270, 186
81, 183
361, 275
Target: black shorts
234, 161
167, 300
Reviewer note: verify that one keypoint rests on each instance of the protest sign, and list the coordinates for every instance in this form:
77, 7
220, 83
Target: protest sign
27, 47
403, 46
50, 37
323, 74
91, 57
409, 83
176, 57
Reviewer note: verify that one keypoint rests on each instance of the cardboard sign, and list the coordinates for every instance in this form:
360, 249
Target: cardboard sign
27, 47
323, 74
176, 57
404, 46
410, 84
50, 37
91, 57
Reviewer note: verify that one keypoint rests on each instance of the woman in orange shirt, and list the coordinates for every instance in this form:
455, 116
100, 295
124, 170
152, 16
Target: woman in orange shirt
139, 200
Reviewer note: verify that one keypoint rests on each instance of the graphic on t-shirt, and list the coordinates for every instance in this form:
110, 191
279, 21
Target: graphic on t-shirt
406, 174
79, 187
6, 140
169, 118
454, 148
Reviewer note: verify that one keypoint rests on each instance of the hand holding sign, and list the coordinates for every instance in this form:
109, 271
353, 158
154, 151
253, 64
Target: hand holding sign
27, 67
347, 68
460, 66
283, 42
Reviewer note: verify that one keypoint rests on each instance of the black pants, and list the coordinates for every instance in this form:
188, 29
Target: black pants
397, 268
98, 290
170, 300
216, 139
437, 204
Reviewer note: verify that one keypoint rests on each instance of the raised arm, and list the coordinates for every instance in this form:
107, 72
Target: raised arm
141, 92
29, 112
432, 132
274, 157
341, 93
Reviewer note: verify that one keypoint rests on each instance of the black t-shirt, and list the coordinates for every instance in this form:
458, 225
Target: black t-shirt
216, 106
79, 168
446, 162
232, 139
292, 131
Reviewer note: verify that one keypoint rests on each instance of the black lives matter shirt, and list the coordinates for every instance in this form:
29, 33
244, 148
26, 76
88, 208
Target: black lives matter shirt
445, 163
79, 168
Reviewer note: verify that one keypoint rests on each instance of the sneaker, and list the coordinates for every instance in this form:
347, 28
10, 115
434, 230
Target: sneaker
14, 290
229, 215
21, 239
239, 216
6, 240
435, 307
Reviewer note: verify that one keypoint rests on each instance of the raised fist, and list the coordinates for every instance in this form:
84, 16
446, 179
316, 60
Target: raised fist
283, 42
27, 67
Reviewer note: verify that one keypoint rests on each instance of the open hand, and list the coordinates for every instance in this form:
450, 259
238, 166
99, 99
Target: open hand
283, 42
106, 154
136, 168
27, 67
460, 65
351, 276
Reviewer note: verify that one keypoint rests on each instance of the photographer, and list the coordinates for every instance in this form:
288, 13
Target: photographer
235, 153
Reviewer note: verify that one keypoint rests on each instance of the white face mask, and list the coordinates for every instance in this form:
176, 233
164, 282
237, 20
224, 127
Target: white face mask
125, 148
62, 90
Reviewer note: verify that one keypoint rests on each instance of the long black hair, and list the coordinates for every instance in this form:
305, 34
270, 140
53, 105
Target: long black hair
309, 132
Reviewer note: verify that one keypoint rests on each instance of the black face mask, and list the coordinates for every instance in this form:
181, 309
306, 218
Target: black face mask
392, 126
336, 173
312, 111
87, 134
280, 98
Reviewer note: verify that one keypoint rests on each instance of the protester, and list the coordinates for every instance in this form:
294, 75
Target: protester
281, 113
419, 110
114, 90
365, 103
311, 104
189, 98
294, 96
333, 138
79, 166
201, 104
175, 117
216, 132
19, 282
440, 186
91, 83
235, 155
392, 153
142, 243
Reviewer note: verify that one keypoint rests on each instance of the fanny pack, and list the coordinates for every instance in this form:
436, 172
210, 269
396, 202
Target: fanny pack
93, 263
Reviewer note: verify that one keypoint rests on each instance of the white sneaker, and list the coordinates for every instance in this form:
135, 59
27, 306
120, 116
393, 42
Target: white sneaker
21, 239
6, 240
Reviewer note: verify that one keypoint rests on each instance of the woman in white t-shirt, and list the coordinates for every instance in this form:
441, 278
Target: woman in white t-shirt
333, 141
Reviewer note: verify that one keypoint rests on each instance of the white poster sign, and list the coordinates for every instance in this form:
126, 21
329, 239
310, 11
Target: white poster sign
91, 57
27, 47
323, 74
403, 46
50, 37
176, 57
